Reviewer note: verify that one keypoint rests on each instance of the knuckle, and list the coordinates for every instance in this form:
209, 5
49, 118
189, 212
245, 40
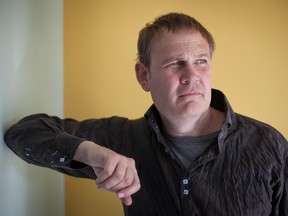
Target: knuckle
138, 187
137, 182
127, 181
119, 176
107, 172
131, 161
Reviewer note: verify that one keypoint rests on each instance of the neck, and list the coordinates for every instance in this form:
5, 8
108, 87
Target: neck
207, 123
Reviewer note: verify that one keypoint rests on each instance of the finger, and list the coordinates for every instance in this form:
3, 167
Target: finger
115, 178
127, 180
127, 201
107, 172
130, 190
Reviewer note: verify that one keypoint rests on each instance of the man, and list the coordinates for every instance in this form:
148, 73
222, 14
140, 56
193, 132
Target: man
190, 154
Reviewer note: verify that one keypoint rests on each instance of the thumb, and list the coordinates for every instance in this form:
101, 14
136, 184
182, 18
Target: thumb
97, 171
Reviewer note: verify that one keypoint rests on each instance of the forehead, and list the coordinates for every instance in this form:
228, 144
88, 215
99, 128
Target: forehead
175, 41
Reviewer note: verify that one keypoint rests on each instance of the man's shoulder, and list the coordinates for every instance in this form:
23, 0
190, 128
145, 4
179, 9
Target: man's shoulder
259, 132
250, 123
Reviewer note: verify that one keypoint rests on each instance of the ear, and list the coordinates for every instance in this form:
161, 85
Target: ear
142, 75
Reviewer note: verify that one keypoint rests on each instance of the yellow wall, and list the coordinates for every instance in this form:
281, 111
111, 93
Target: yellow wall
250, 66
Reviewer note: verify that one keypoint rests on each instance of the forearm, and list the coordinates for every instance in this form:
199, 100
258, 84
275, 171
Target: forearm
87, 152
41, 140
96, 156
63, 146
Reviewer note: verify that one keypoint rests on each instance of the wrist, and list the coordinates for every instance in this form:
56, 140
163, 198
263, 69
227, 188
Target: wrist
81, 154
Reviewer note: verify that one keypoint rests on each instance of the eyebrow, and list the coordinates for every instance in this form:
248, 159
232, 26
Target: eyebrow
181, 56
173, 57
203, 55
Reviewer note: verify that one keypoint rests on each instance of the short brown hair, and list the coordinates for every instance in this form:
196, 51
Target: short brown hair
171, 22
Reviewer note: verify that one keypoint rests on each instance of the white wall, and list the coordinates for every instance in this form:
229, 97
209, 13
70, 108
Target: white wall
31, 80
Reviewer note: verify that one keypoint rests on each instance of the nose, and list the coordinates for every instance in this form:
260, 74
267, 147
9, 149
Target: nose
189, 75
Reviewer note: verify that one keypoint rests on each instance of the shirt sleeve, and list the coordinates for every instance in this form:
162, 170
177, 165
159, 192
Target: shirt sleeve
51, 142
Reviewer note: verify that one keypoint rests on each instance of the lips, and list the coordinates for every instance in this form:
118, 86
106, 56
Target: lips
189, 93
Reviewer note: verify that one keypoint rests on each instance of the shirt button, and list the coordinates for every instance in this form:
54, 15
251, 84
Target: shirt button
185, 181
185, 192
62, 160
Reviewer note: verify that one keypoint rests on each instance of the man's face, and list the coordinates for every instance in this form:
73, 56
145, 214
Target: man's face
179, 77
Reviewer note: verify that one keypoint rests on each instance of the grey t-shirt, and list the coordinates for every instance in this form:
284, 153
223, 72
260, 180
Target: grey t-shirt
186, 149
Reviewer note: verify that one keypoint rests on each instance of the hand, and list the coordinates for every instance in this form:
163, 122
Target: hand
114, 172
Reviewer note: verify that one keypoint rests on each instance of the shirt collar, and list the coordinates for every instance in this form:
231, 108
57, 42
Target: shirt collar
218, 101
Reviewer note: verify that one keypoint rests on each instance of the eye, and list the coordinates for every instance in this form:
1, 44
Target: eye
175, 64
201, 61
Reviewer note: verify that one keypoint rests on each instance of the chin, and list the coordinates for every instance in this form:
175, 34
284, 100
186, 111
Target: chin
193, 111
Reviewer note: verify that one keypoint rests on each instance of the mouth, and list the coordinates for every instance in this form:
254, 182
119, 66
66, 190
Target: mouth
190, 94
